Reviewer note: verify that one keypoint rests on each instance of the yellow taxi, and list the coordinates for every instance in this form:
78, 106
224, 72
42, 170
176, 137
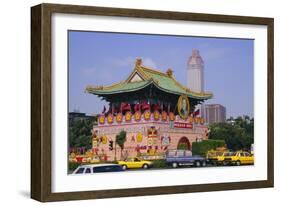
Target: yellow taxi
135, 162
215, 157
238, 158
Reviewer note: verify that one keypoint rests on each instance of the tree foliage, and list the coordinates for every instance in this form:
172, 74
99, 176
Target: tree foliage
201, 148
237, 133
182, 146
121, 139
80, 133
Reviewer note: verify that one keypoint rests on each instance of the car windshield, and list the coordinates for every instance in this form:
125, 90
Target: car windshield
180, 153
247, 154
227, 154
172, 153
88, 170
211, 154
80, 170
219, 153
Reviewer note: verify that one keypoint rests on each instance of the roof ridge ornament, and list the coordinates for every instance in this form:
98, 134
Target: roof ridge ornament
170, 72
168, 84
138, 62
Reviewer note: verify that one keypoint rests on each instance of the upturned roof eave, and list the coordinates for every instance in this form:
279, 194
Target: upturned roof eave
151, 81
100, 92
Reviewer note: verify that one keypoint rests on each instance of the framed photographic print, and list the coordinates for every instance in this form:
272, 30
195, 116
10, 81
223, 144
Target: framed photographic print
130, 102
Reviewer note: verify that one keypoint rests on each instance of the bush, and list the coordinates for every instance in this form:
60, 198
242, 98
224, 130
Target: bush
182, 146
201, 148
159, 163
72, 166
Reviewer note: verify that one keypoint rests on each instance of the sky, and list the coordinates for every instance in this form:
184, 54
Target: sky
99, 58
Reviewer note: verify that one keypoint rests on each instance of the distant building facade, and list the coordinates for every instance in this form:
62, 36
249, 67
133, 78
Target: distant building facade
76, 116
195, 76
214, 113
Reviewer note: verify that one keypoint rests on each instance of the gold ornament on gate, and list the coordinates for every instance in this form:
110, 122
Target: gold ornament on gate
156, 115
139, 137
137, 116
171, 116
164, 116
119, 117
104, 139
110, 119
101, 119
128, 116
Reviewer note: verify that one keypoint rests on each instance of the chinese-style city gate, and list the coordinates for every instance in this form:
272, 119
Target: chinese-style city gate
155, 111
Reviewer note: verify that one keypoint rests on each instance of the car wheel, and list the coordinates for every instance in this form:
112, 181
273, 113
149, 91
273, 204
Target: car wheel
145, 166
174, 165
238, 163
197, 164
224, 163
203, 164
124, 167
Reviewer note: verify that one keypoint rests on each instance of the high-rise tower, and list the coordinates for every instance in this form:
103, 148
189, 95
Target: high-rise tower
195, 75
195, 72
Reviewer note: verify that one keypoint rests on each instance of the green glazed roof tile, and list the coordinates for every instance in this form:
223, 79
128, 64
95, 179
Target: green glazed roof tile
163, 81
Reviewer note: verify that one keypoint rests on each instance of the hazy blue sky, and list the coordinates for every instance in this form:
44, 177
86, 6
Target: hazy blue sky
97, 58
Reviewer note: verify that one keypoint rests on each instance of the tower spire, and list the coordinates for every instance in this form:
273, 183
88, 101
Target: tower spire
195, 76
195, 72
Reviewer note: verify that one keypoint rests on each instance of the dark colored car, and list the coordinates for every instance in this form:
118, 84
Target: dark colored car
177, 158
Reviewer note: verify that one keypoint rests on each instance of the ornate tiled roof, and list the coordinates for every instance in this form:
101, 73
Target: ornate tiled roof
143, 76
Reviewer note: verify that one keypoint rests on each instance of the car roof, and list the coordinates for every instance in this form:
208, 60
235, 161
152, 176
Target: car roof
98, 165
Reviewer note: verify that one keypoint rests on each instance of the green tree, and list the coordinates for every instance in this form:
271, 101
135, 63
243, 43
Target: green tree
237, 133
120, 140
80, 133
183, 146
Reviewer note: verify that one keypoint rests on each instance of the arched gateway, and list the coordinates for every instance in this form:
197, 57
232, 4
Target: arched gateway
184, 144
